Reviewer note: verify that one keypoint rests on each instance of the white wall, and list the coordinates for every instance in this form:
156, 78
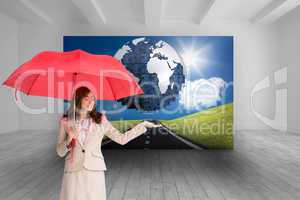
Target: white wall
9, 118
256, 56
289, 27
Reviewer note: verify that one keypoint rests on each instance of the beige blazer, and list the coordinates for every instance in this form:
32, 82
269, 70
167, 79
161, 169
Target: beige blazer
89, 155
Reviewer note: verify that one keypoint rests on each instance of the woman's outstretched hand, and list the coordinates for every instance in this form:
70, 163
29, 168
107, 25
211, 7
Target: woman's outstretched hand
148, 124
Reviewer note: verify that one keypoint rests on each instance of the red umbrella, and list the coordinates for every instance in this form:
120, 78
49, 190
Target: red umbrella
57, 74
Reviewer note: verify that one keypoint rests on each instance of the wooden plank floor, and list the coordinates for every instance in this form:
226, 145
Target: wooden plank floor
264, 165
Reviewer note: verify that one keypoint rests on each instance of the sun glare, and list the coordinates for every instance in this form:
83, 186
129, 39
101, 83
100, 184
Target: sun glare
189, 58
195, 57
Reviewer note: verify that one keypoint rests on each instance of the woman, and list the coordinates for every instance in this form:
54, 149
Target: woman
80, 141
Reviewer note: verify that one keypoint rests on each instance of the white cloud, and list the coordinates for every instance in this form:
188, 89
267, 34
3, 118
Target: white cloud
202, 93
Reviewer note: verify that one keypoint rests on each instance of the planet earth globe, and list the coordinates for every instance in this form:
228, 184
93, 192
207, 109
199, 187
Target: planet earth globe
158, 69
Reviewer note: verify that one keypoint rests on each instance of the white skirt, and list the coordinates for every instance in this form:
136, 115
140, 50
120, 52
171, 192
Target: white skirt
83, 185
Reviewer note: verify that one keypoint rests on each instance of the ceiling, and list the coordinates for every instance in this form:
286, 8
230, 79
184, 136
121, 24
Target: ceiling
147, 12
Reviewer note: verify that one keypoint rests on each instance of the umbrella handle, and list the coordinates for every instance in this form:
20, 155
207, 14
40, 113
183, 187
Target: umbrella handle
73, 142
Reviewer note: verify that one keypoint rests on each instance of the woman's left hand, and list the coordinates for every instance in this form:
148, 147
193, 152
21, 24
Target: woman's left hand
151, 124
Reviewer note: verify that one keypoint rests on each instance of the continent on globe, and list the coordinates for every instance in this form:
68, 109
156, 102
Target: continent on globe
158, 69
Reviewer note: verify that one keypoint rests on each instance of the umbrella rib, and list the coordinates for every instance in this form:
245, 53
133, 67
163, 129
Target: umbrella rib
111, 89
74, 77
33, 83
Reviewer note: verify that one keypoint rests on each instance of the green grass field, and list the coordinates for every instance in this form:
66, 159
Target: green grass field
212, 128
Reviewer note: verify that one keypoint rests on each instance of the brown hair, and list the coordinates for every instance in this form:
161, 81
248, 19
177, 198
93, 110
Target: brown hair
80, 93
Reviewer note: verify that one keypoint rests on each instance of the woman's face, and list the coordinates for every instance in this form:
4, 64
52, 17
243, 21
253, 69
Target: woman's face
88, 102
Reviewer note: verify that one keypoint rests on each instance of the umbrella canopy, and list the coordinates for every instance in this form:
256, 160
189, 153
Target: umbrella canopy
58, 74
